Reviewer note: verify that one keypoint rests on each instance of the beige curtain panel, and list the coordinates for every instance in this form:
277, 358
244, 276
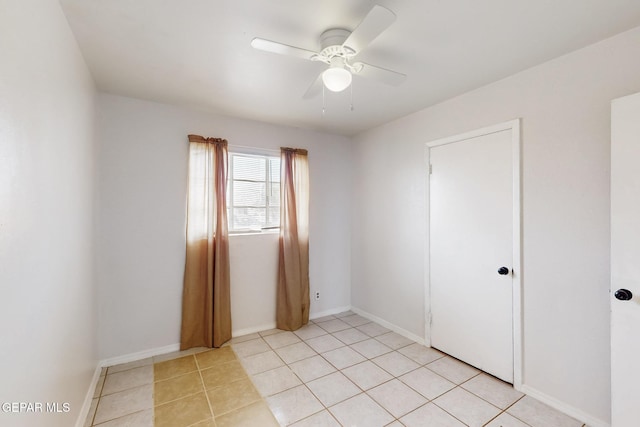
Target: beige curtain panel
292, 306
206, 303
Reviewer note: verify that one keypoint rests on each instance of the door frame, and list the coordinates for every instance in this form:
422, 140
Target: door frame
516, 278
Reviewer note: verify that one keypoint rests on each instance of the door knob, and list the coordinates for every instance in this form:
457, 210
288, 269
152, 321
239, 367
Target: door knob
623, 294
503, 271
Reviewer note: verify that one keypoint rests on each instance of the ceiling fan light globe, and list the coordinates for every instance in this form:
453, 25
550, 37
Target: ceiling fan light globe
336, 79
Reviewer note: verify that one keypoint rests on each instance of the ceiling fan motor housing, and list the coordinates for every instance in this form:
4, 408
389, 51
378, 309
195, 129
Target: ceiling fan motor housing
331, 43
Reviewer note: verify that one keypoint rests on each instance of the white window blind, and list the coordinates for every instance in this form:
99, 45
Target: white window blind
253, 193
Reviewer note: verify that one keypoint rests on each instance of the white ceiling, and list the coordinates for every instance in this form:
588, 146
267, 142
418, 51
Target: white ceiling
197, 52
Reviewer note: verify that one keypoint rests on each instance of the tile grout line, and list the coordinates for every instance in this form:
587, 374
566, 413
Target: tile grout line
239, 360
514, 416
101, 395
288, 365
204, 388
393, 377
337, 370
369, 359
249, 377
303, 383
297, 376
502, 411
199, 369
93, 418
419, 366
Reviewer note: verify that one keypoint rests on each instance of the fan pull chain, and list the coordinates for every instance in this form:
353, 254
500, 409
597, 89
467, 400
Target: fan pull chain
323, 100
351, 106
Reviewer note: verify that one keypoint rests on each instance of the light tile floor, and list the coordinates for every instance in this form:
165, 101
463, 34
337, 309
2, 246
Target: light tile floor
340, 370
200, 387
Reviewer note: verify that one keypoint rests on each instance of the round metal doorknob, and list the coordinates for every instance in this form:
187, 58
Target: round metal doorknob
503, 271
623, 294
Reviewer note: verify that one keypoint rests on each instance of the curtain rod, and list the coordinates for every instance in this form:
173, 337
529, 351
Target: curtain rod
295, 150
200, 138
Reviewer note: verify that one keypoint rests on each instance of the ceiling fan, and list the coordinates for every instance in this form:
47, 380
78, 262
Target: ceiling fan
338, 50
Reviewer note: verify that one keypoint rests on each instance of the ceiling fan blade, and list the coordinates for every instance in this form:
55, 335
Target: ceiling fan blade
383, 75
377, 20
314, 89
282, 49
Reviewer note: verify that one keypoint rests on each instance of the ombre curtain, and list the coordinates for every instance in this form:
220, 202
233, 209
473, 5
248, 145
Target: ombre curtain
206, 302
292, 306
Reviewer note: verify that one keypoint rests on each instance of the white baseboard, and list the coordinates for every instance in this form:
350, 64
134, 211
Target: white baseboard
563, 407
272, 325
86, 405
132, 357
391, 326
536, 394
253, 329
338, 310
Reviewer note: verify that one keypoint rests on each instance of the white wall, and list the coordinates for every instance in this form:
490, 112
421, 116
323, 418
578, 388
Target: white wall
565, 107
143, 160
47, 314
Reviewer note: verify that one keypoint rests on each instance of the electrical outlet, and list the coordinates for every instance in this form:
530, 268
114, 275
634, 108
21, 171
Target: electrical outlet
317, 295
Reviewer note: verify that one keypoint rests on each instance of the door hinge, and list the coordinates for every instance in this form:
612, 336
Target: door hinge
430, 169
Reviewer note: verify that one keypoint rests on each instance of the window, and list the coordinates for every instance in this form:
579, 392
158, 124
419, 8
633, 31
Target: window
253, 193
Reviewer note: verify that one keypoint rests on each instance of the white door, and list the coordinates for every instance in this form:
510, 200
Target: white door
625, 261
471, 195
